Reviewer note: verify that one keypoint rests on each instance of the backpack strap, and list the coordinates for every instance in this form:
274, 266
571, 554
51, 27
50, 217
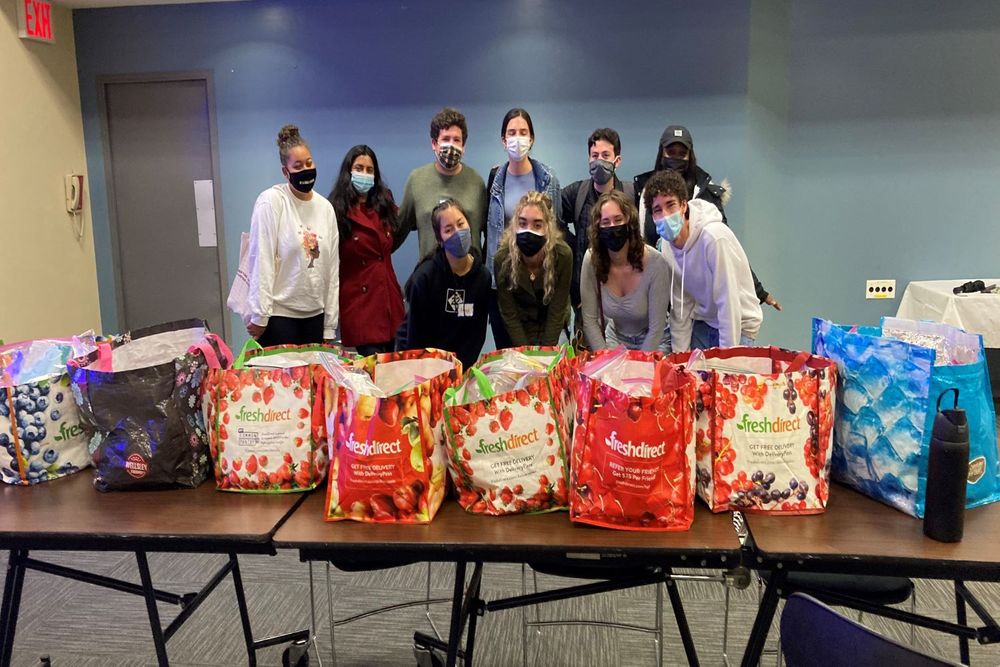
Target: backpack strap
581, 199
489, 181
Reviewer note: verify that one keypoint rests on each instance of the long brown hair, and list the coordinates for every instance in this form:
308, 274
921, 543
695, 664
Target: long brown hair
512, 263
599, 255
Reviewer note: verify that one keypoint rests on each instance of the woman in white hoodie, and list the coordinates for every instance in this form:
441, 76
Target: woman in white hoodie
713, 301
294, 266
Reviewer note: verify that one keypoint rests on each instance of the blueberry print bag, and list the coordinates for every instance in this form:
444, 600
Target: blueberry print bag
40, 434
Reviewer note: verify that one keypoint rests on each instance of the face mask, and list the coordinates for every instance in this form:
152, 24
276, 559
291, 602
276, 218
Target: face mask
614, 238
602, 171
362, 182
303, 181
458, 244
678, 164
669, 227
449, 155
530, 243
518, 147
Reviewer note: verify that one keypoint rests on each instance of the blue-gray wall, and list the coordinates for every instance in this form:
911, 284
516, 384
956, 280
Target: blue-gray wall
861, 141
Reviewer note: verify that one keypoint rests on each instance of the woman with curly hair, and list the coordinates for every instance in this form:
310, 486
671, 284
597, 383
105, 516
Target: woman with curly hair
533, 269
294, 293
624, 284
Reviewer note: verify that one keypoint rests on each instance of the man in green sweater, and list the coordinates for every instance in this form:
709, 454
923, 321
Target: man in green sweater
445, 177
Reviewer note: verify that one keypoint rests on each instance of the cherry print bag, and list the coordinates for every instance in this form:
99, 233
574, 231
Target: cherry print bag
633, 463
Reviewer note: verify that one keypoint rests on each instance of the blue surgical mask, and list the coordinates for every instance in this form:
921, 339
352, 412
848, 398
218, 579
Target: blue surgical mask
458, 244
669, 227
362, 182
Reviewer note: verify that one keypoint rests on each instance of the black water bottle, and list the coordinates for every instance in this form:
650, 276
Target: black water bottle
947, 474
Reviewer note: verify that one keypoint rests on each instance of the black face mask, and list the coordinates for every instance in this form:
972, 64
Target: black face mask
303, 181
530, 243
678, 164
614, 238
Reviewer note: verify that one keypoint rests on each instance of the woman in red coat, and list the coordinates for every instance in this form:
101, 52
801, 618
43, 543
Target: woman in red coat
371, 303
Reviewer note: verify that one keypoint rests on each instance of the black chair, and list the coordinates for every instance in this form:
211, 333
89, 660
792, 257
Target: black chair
814, 635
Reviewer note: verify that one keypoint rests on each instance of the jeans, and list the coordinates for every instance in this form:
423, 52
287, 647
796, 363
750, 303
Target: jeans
704, 336
635, 342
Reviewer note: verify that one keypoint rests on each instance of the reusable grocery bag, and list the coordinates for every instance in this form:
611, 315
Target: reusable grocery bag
890, 379
40, 433
387, 462
763, 429
266, 419
140, 405
507, 428
633, 461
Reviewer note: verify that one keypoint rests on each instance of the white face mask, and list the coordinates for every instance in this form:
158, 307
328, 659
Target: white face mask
518, 147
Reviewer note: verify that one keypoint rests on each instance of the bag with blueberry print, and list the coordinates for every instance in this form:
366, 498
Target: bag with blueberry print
763, 428
40, 434
140, 402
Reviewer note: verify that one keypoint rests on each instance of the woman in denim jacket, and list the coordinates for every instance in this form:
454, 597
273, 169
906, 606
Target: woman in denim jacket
509, 182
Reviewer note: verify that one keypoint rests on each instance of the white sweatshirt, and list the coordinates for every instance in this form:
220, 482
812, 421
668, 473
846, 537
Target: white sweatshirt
282, 282
714, 285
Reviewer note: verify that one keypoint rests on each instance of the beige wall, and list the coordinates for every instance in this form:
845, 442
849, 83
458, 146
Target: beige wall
48, 274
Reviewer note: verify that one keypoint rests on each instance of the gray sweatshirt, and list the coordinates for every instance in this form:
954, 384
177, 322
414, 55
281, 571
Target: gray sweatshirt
425, 188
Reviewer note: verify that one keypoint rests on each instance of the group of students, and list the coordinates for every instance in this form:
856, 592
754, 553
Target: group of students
650, 264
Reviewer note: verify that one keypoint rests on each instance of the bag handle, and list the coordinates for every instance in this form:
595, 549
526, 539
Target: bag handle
250, 346
946, 391
485, 388
798, 363
213, 348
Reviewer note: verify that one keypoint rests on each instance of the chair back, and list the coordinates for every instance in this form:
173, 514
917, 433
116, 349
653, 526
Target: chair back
814, 635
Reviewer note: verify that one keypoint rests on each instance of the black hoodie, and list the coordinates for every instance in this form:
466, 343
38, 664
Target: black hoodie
448, 311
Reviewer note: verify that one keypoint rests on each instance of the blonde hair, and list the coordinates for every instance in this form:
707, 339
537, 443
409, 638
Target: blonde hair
553, 235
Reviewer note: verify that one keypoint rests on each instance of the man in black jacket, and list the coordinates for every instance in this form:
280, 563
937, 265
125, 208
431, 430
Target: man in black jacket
676, 152
604, 147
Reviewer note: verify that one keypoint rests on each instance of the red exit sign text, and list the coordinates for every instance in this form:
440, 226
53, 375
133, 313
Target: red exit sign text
34, 20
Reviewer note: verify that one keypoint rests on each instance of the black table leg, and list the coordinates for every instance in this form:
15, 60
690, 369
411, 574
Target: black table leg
473, 609
13, 585
762, 623
241, 601
682, 624
457, 621
154, 615
963, 642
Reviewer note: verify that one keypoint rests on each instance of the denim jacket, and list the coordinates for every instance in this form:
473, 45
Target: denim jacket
545, 181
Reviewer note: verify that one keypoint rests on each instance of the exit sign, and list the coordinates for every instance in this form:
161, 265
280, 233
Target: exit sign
34, 20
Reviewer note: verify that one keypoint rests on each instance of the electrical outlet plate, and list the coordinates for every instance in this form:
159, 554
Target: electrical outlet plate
880, 289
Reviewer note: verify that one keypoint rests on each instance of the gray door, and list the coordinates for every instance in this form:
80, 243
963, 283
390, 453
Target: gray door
159, 137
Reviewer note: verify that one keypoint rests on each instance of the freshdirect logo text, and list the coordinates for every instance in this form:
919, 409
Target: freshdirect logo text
643, 450
510, 442
776, 425
261, 415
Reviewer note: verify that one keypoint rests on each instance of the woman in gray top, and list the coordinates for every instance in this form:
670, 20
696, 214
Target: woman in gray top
624, 288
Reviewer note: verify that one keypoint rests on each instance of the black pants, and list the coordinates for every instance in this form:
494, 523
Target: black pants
293, 331
500, 336
369, 349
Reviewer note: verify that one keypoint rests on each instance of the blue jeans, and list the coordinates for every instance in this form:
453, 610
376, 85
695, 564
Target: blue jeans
704, 336
635, 342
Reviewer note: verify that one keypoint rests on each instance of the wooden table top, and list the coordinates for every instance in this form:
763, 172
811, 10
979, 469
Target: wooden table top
859, 534
69, 513
457, 535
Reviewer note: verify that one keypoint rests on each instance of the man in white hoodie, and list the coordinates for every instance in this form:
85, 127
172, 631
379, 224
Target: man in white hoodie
713, 302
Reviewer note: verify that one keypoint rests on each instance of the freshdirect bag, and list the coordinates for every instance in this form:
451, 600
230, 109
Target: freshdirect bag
266, 419
40, 434
387, 462
140, 404
890, 379
507, 428
763, 429
633, 459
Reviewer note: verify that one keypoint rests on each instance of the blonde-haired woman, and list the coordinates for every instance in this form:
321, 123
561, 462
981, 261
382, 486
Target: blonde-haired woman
533, 269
